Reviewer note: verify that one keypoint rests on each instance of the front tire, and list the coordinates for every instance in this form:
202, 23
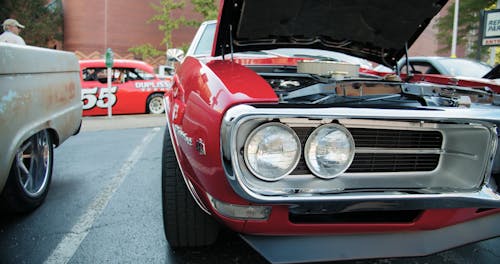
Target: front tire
154, 104
30, 174
185, 224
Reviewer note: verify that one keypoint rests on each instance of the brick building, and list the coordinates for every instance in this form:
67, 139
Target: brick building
91, 26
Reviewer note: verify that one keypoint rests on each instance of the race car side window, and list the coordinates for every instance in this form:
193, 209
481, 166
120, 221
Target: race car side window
95, 74
119, 75
144, 75
132, 75
89, 74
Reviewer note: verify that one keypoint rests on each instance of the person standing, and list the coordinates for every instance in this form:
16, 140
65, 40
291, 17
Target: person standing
11, 30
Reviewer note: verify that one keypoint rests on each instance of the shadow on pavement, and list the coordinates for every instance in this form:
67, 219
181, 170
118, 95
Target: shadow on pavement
229, 249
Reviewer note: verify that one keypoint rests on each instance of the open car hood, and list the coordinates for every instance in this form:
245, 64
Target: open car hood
374, 30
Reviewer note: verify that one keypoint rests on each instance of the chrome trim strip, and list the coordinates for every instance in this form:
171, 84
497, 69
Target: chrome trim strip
399, 151
475, 115
415, 151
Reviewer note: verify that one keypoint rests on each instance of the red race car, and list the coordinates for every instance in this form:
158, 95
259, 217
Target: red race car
135, 88
310, 159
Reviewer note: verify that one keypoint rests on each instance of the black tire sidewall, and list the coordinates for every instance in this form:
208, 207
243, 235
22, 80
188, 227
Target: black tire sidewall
181, 213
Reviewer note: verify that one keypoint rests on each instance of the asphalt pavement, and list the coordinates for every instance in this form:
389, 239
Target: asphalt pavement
99, 123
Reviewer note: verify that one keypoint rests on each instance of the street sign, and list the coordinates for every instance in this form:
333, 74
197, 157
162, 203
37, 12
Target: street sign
109, 58
491, 28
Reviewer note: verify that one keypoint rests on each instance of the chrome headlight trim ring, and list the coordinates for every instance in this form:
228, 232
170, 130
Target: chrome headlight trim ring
279, 148
320, 148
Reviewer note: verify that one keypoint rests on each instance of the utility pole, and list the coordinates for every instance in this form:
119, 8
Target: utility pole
455, 30
105, 24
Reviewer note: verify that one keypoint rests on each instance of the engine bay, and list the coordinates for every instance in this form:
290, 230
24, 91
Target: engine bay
294, 85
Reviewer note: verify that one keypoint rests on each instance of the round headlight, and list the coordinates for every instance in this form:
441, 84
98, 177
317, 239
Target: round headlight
329, 151
272, 151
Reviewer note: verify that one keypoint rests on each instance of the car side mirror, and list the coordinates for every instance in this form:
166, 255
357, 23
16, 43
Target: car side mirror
175, 55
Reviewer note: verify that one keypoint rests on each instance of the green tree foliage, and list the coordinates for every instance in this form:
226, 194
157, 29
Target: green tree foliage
44, 22
468, 24
167, 25
207, 8
146, 51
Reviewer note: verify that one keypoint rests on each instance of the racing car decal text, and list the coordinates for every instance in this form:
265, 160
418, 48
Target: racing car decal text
163, 85
90, 98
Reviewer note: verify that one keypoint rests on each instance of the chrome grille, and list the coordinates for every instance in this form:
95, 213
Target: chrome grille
385, 139
371, 162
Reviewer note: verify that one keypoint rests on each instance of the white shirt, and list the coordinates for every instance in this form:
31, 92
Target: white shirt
10, 37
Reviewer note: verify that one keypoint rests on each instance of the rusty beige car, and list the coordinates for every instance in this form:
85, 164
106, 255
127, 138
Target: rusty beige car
40, 107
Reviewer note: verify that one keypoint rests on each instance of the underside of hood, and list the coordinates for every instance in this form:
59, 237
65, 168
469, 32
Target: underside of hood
375, 30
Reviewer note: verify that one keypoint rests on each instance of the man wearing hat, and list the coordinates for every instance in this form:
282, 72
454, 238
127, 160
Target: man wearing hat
11, 30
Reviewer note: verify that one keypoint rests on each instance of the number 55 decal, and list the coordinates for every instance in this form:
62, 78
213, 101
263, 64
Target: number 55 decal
91, 100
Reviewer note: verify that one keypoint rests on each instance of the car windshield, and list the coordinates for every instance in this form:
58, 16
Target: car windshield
204, 46
467, 68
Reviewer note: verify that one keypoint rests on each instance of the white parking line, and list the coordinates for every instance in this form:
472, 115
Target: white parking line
72, 240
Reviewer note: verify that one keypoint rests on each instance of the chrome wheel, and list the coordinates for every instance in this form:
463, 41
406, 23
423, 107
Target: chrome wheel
155, 104
33, 164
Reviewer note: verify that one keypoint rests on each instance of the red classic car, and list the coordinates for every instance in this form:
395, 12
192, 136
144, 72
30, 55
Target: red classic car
315, 160
135, 88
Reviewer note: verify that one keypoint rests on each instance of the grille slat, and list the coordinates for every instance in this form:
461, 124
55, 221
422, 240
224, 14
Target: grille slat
385, 139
